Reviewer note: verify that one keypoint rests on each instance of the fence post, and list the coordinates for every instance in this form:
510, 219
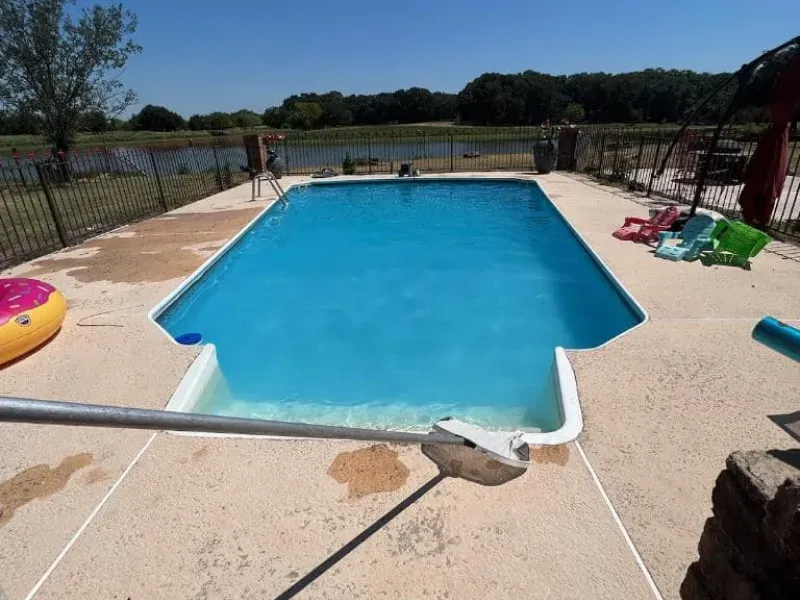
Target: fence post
655, 168
451, 152
220, 183
638, 159
285, 155
51, 204
369, 153
615, 166
602, 155
106, 161
158, 182
197, 168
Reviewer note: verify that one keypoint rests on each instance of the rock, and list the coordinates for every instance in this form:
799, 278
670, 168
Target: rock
692, 587
750, 548
732, 504
759, 474
782, 524
725, 574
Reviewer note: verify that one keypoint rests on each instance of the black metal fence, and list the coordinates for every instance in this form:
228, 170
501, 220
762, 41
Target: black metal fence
630, 157
492, 149
50, 203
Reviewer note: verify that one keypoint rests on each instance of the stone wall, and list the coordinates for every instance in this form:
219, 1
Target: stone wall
750, 548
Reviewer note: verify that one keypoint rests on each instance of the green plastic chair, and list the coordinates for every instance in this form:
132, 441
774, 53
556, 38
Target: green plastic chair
736, 244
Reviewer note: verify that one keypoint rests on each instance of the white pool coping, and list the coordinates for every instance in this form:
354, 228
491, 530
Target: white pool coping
205, 366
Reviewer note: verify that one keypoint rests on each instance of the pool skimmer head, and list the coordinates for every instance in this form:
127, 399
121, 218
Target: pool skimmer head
459, 449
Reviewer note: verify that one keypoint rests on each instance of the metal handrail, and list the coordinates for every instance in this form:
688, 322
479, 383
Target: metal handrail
273, 182
276, 187
44, 412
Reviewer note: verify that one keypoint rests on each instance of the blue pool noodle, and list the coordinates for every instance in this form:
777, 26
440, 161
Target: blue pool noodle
779, 336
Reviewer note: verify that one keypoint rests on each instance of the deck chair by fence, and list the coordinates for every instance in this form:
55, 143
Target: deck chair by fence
698, 235
737, 244
638, 229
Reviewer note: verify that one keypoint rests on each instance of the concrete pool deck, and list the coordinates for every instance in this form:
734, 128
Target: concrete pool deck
90, 513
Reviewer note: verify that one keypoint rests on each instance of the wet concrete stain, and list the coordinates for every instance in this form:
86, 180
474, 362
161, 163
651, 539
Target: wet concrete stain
552, 455
369, 471
156, 250
39, 482
96, 475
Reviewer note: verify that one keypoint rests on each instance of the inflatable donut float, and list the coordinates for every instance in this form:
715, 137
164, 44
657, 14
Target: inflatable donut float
31, 311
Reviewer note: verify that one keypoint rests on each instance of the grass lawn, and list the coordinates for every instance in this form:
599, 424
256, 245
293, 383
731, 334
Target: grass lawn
521, 161
90, 206
28, 143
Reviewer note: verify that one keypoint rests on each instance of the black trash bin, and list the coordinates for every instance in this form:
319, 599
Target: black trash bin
275, 164
544, 155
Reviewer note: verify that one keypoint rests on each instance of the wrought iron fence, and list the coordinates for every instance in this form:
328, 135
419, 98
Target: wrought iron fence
52, 202
49, 203
632, 158
493, 149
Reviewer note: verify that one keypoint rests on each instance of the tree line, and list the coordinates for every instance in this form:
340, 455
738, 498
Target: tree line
529, 98
97, 42
150, 118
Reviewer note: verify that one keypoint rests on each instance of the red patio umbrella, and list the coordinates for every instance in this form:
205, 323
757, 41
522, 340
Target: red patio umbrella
766, 170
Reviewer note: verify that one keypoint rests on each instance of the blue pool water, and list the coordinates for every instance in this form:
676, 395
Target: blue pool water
396, 303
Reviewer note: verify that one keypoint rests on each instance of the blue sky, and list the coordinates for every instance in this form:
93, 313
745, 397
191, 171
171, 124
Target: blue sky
197, 54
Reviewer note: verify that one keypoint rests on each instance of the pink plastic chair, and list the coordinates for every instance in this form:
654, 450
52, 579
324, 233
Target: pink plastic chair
637, 229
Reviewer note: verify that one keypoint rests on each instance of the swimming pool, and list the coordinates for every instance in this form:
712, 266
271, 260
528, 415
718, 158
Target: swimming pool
395, 303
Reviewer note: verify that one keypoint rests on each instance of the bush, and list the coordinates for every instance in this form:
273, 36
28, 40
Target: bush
197, 123
218, 120
157, 118
348, 166
574, 112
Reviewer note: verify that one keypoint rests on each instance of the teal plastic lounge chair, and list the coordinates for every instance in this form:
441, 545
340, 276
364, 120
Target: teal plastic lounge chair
697, 236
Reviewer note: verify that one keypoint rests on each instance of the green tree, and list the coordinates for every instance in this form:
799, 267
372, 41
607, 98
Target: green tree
334, 110
95, 121
197, 123
58, 63
274, 117
218, 120
117, 124
304, 115
574, 113
19, 123
246, 119
157, 118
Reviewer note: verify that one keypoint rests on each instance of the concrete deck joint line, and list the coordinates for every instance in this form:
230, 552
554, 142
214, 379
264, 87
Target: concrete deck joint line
90, 518
722, 319
637, 557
